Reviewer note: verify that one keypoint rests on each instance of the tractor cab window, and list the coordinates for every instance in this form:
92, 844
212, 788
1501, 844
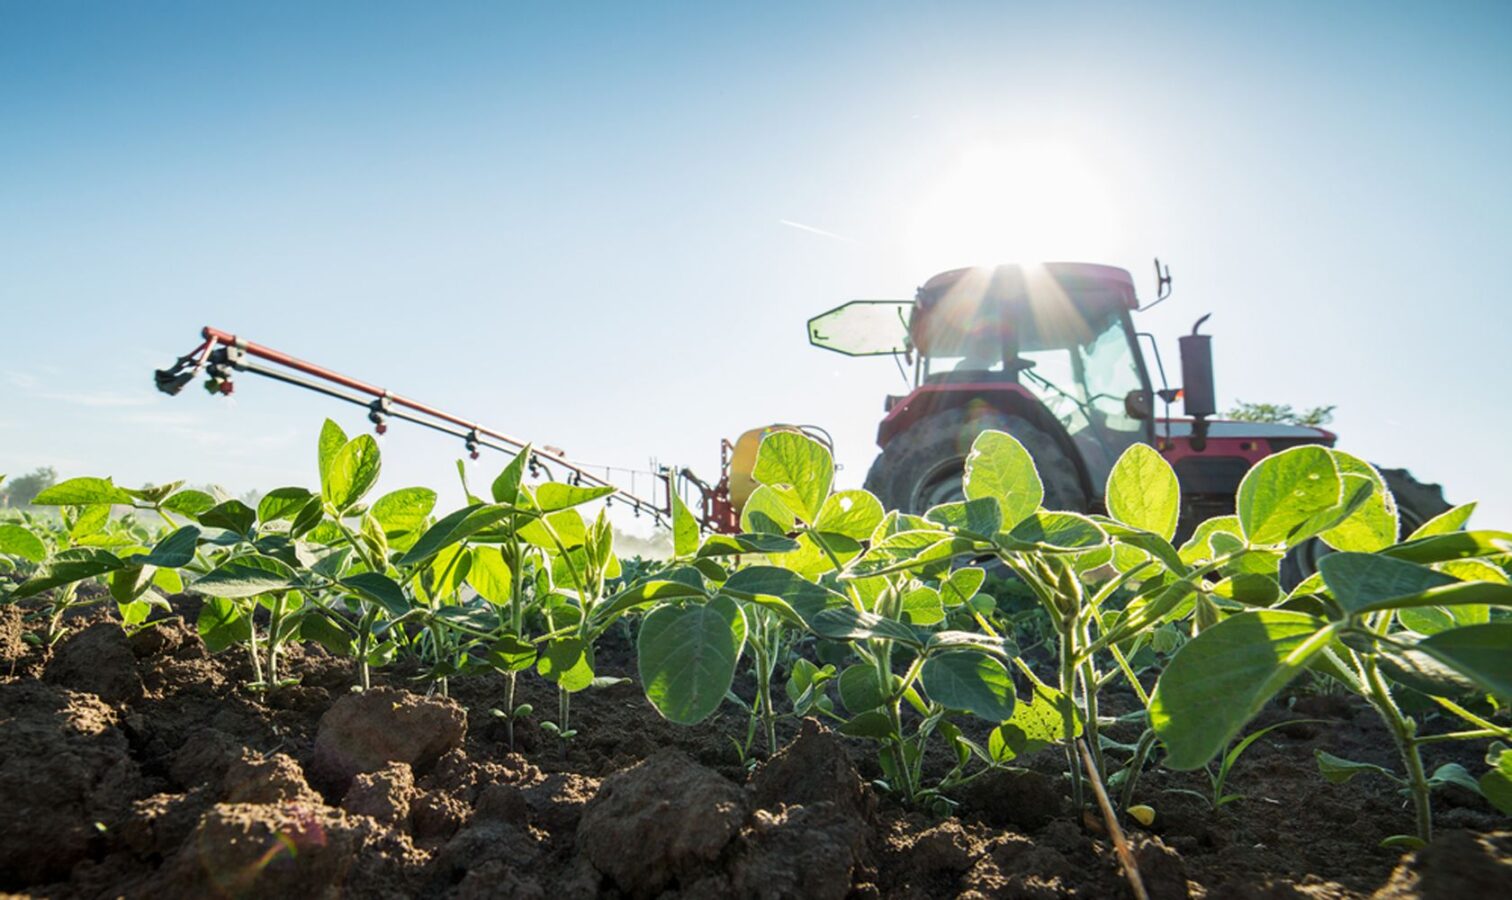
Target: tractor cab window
1085, 385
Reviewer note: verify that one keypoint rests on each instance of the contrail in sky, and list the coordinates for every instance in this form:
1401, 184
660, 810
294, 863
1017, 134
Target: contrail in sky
819, 231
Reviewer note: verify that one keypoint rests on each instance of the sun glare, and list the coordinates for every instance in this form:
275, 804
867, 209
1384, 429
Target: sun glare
1015, 202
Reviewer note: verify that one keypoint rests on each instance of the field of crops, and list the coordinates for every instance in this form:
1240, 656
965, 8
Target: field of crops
343, 693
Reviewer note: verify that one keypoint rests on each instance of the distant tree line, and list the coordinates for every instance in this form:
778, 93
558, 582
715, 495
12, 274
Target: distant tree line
1282, 414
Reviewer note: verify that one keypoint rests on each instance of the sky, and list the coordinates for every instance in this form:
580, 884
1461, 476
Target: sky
603, 226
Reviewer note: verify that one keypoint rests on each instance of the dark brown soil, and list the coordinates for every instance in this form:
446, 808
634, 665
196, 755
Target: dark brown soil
139, 767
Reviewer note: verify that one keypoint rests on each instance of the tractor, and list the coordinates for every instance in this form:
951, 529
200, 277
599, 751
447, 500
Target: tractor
1050, 354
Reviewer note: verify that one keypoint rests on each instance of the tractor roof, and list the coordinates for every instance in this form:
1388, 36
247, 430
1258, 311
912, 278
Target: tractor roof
1043, 305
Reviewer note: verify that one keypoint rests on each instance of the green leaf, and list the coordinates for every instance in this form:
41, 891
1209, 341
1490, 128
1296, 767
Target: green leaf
67, 567
798, 468
805, 597
1374, 525
1034, 725
1496, 785
245, 576
506, 488
1284, 492
645, 594
1454, 545
1060, 531
684, 529
490, 576
555, 495
1143, 492
91, 520
962, 585
172, 552
687, 657
232, 515
999, 467
1359, 581
854, 514
982, 517
317, 627
754, 542
453, 528
222, 624
17, 541
332, 439
282, 503
1221, 678
847, 624
859, 690
1482, 653
83, 492
1338, 770
511, 654
1446, 522
1454, 594
566, 524
351, 473
922, 606
873, 724
766, 512
971, 682
189, 503
378, 588
568, 663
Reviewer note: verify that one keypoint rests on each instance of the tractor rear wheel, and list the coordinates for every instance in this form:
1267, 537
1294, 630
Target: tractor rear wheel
1416, 503
923, 466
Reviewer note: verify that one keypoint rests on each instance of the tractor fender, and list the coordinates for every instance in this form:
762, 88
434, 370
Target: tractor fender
1006, 397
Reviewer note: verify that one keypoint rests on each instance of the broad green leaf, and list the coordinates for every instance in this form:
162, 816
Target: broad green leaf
282, 503
873, 724
753, 542
67, 567
971, 682
245, 576
222, 624
1034, 725
798, 468
999, 467
1282, 493
380, 589
83, 492
1446, 522
317, 627
403, 512
687, 657
1199, 547
942, 641
567, 525
1456, 593
1496, 785
458, 526
511, 654
1143, 492
1221, 678
854, 514
1361, 580
859, 690
1374, 525
172, 552
847, 624
232, 515
1454, 545
332, 439
982, 517
1249, 589
568, 663
91, 520
644, 594
807, 598
169, 581
1338, 770
922, 606
765, 512
506, 488
1059, 531
684, 529
489, 575
555, 495
351, 473
17, 541
189, 503
962, 585
1482, 653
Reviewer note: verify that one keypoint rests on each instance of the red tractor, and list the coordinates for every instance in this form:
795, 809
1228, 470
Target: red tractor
1049, 353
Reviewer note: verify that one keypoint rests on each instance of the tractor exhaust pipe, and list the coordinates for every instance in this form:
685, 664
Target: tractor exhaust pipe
1198, 393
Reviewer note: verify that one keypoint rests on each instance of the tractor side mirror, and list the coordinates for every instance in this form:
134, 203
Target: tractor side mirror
1138, 404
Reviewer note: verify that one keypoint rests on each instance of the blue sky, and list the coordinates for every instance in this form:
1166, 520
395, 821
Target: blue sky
567, 220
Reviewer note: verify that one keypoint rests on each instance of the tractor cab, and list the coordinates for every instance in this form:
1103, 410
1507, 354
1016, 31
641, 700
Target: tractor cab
1052, 344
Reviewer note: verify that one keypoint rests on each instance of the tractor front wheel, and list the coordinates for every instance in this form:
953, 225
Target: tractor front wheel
923, 466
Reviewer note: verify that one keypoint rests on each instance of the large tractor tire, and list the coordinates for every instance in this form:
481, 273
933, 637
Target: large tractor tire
923, 466
1416, 503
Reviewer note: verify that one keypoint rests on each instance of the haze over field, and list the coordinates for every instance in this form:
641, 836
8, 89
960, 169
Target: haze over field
602, 227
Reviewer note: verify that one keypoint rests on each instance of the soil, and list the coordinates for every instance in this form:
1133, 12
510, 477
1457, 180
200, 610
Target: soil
138, 766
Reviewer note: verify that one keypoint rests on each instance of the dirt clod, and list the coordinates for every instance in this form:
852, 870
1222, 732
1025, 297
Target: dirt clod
385, 794
1013, 798
1457, 865
365, 732
97, 660
814, 768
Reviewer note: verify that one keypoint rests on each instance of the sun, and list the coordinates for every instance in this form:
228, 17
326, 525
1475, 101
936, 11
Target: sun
1014, 202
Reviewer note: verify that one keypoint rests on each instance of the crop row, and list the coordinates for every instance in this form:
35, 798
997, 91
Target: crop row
876, 620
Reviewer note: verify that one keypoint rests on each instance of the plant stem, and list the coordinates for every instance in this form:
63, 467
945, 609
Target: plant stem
1403, 730
364, 645
1136, 767
1068, 690
564, 709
